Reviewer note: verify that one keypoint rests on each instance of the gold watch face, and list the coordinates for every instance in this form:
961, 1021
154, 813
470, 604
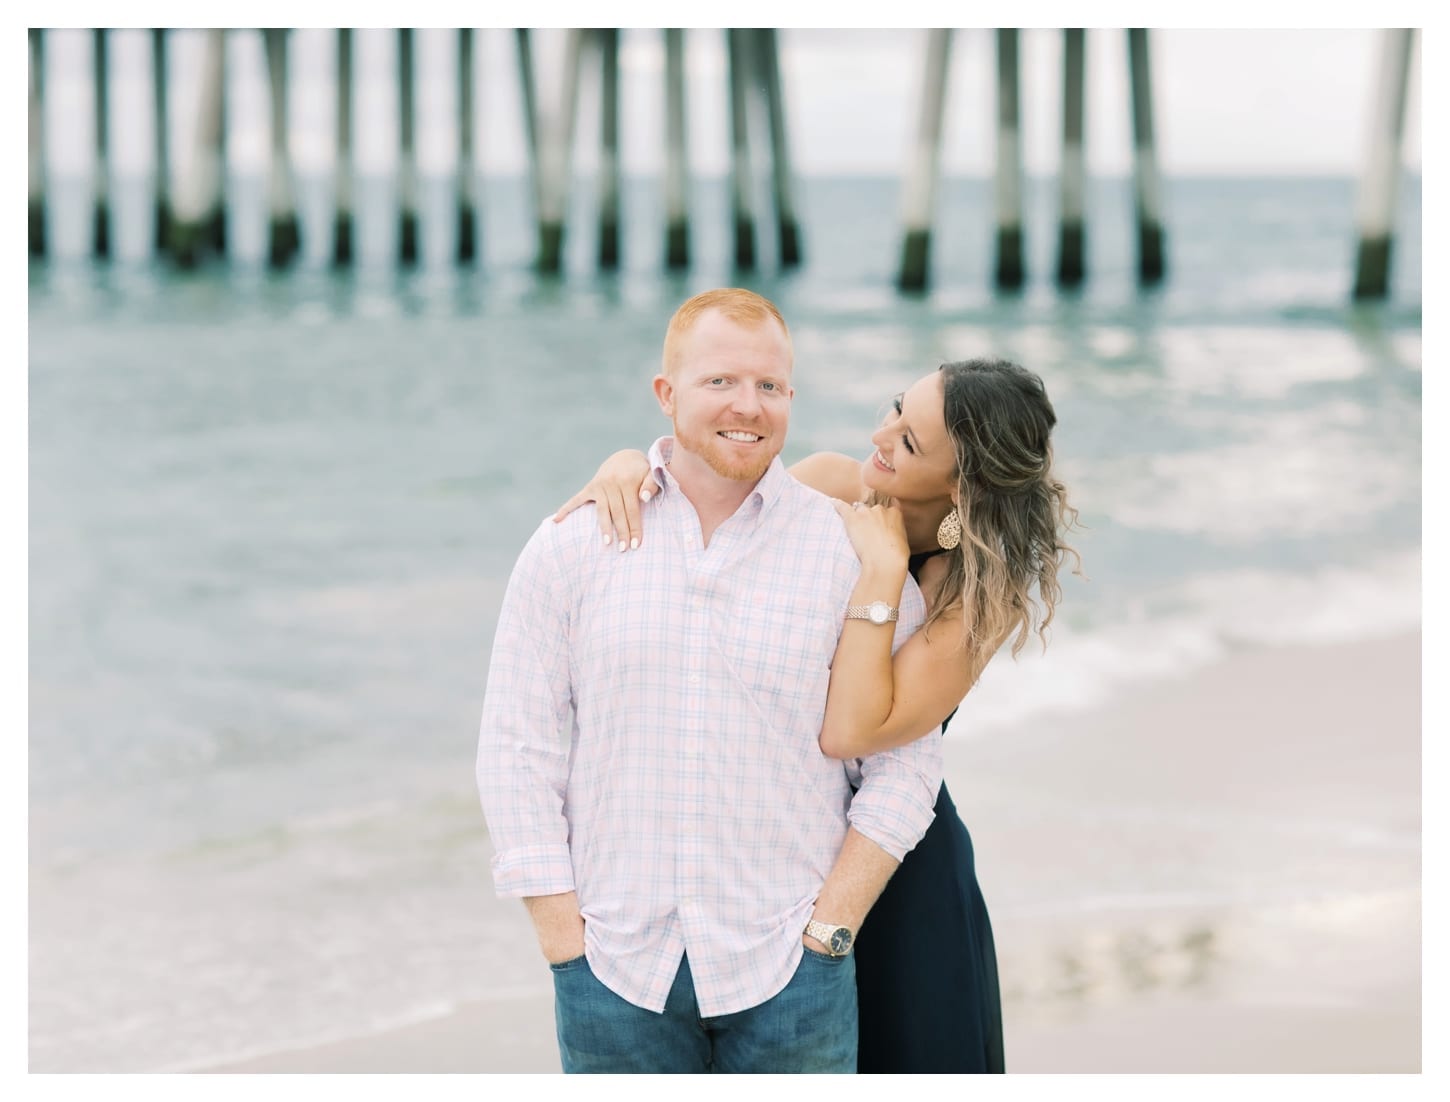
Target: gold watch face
840, 942
879, 612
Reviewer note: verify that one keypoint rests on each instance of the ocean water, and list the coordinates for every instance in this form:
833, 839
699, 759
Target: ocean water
271, 518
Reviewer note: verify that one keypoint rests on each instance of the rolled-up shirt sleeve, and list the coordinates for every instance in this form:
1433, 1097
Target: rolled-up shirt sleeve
897, 789
523, 741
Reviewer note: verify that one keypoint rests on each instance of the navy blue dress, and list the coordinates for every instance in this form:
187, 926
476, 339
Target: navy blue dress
926, 965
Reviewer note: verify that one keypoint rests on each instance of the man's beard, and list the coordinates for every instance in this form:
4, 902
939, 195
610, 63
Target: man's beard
720, 458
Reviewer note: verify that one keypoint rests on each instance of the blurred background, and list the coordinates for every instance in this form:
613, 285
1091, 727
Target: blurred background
276, 488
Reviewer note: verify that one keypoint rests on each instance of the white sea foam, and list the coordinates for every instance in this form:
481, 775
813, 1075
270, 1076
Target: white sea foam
1248, 361
1215, 614
1304, 473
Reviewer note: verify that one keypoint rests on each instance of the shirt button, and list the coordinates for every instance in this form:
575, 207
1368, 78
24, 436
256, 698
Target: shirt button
694, 679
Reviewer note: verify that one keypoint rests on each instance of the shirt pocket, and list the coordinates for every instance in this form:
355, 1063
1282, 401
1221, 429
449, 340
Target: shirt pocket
780, 653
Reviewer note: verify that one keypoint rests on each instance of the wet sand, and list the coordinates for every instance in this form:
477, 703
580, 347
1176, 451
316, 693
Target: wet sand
1219, 873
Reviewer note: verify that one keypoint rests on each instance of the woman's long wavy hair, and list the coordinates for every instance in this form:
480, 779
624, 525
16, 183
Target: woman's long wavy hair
1014, 512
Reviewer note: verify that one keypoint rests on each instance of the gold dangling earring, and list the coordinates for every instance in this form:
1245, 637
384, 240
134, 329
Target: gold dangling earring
949, 532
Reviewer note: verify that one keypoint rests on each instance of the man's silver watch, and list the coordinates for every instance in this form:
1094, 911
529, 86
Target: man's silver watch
837, 939
878, 612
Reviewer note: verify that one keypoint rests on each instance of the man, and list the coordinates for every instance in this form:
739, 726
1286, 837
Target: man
648, 762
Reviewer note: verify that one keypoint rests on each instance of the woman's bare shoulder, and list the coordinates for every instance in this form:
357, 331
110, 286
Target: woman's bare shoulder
831, 473
931, 576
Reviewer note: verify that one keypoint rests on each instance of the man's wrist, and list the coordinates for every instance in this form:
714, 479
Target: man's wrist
558, 925
837, 909
562, 945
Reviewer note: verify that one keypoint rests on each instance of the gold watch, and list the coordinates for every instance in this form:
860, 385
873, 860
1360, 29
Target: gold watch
878, 612
837, 939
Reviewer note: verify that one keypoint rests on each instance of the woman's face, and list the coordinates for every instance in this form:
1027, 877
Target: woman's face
914, 460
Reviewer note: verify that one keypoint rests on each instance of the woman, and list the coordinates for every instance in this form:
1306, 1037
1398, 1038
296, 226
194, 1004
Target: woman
959, 492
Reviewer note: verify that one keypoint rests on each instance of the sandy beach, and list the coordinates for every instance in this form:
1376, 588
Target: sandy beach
1218, 873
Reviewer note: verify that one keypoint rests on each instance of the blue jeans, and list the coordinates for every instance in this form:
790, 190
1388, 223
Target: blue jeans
810, 1026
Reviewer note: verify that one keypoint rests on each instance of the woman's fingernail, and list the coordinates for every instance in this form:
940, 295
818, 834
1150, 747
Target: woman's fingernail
634, 544
622, 547
607, 539
644, 495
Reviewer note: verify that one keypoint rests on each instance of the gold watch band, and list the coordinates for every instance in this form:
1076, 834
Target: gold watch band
878, 612
826, 935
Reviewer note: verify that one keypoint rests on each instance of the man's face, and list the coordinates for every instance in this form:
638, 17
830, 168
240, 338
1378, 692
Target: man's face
729, 395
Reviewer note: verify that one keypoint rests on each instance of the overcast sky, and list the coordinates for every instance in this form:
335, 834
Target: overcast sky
1226, 101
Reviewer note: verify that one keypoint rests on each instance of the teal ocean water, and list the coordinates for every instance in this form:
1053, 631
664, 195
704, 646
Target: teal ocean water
271, 518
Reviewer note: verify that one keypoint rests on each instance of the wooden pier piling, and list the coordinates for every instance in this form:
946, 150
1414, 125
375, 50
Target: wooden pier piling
1379, 186
467, 185
768, 56
1072, 196
919, 191
556, 146
198, 204
101, 171
1147, 185
677, 173
609, 169
159, 82
741, 200
342, 219
1010, 271
37, 142
282, 205
529, 104
216, 225
408, 156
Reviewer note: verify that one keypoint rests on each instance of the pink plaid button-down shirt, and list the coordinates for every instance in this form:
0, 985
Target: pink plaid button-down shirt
649, 738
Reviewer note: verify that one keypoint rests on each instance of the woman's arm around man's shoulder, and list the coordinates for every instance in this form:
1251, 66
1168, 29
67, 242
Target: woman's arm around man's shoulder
830, 473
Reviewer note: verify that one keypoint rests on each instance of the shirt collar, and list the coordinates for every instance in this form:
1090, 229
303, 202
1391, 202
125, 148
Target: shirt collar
767, 491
